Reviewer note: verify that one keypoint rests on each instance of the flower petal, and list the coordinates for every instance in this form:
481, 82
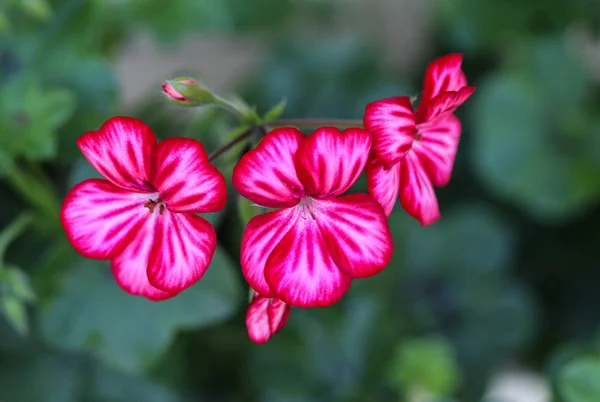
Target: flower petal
442, 75
260, 237
266, 175
130, 267
392, 123
101, 219
300, 269
185, 179
279, 312
265, 317
443, 105
120, 151
383, 184
184, 245
416, 191
356, 232
437, 148
329, 161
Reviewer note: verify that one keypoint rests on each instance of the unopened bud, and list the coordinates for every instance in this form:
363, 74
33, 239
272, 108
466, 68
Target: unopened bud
187, 92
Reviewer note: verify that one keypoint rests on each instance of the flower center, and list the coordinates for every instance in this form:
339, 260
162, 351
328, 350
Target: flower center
155, 204
418, 135
308, 207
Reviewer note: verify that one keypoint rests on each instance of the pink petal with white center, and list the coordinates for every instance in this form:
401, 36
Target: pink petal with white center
442, 75
101, 219
383, 184
443, 105
301, 271
184, 245
392, 123
265, 317
416, 191
130, 267
356, 233
266, 175
120, 151
329, 161
437, 148
185, 179
260, 237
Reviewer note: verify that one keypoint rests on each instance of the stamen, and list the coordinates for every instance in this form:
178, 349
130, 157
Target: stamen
152, 204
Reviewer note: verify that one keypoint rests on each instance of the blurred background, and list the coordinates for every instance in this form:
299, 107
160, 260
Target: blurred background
497, 302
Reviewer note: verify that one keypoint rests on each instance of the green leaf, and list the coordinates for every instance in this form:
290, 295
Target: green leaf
276, 111
426, 364
129, 332
73, 378
521, 153
14, 310
17, 283
578, 380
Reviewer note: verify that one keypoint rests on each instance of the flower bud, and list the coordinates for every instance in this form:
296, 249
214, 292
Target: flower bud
186, 91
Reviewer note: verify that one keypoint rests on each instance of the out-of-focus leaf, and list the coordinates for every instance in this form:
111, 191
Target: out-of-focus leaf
39, 9
425, 364
93, 313
578, 380
520, 153
16, 283
13, 309
275, 111
73, 378
248, 210
29, 118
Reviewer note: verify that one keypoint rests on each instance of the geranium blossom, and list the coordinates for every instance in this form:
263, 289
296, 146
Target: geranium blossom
415, 150
143, 216
307, 252
265, 317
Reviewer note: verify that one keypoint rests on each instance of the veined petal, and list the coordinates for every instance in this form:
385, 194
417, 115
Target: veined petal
266, 175
279, 312
356, 233
392, 123
416, 191
185, 179
265, 317
383, 184
101, 219
301, 271
130, 267
260, 237
184, 245
437, 148
443, 105
442, 75
120, 151
329, 161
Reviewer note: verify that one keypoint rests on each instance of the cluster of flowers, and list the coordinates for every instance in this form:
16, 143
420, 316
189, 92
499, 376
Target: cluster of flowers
314, 240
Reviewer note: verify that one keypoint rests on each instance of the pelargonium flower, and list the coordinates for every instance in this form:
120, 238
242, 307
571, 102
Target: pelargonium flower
415, 150
307, 251
265, 317
143, 215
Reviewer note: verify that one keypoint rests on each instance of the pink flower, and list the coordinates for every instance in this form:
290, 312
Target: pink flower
265, 317
307, 252
143, 216
413, 151
172, 93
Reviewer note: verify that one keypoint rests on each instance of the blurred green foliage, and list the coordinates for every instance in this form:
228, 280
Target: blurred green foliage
508, 275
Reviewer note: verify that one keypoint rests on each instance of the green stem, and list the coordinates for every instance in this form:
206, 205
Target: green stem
12, 231
316, 122
231, 144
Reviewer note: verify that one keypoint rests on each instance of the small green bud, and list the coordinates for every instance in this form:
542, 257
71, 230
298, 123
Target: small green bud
186, 91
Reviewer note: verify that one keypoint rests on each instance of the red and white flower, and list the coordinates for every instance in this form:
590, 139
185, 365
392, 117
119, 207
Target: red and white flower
143, 216
265, 317
307, 251
415, 150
